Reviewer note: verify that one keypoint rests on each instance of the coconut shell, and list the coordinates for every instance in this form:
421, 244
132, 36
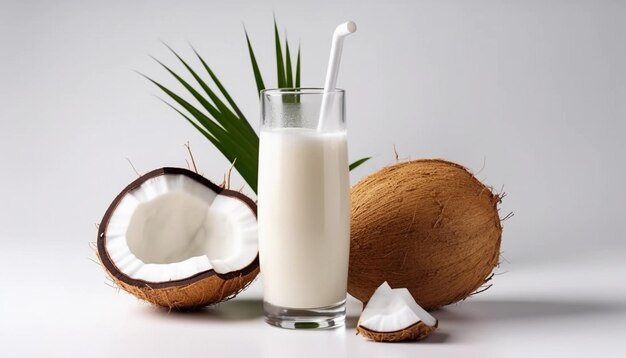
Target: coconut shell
202, 289
414, 332
190, 293
428, 225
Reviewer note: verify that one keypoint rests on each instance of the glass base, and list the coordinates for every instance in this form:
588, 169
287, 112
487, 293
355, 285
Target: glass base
306, 318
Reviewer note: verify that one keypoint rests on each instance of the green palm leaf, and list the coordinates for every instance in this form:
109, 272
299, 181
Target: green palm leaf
280, 65
243, 171
298, 69
246, 163
227, 123
260, 86
357, 163
222, 113
219, 85
289, 79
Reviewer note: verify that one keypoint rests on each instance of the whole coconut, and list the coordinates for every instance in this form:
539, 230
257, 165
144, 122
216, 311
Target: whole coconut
427, 225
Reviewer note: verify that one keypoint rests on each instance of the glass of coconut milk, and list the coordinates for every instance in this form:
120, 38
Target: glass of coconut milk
303, 207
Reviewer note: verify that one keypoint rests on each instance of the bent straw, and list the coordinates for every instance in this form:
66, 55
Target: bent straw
332, 72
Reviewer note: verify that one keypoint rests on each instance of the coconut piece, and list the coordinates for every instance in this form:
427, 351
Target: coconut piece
392, 315
427, 225
175, 239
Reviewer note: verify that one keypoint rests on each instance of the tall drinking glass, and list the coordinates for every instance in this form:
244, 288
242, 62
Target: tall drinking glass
304, 208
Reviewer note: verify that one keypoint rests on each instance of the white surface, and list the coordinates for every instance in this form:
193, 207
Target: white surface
63, 308
531, 94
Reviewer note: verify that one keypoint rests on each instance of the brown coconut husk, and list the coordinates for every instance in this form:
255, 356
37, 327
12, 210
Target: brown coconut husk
428, 225
414, 332
190, 293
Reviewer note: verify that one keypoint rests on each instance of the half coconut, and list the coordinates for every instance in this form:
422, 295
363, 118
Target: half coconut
177, 240
392, 315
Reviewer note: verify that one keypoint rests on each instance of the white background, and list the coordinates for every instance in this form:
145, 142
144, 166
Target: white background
531, 95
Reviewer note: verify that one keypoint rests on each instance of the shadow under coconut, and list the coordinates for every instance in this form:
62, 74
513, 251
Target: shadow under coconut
233, 310
351, 321
455, 319
436, 337
512, 310
463, 315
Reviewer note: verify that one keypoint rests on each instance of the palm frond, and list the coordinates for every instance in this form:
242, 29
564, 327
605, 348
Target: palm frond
357, 163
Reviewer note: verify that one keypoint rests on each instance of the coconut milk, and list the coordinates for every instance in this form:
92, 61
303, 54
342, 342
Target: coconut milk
304, 217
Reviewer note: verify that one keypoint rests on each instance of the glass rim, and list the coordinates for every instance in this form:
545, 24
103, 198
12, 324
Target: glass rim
298, 91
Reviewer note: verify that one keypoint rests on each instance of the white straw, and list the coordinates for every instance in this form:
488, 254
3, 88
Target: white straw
341, 31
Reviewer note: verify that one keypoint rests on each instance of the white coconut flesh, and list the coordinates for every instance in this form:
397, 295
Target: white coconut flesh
172, 227
391, 310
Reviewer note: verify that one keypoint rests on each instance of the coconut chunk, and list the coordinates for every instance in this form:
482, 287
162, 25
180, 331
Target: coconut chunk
393, 315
